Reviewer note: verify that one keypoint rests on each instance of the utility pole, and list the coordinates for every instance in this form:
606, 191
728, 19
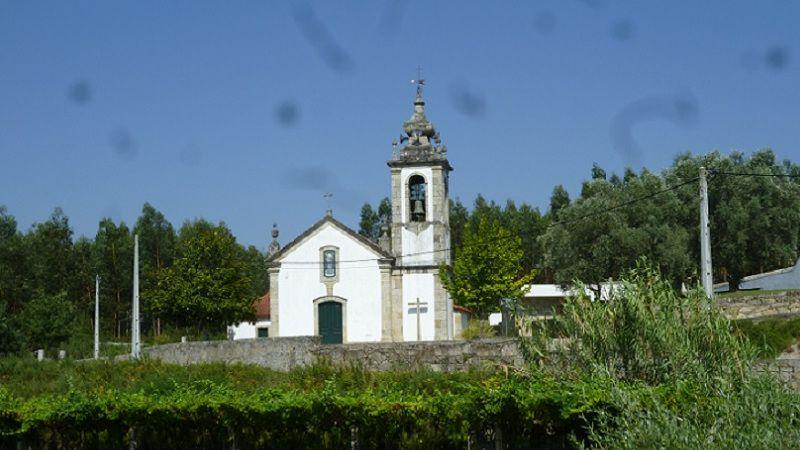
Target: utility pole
96, 316
705, 238
135, 341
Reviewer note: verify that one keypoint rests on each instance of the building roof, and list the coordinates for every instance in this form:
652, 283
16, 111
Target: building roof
262, 306
461, 309
273, 260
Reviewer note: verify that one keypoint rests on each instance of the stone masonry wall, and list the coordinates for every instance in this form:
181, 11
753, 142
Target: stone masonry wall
443, 356
787, 370
288, 353
758, 306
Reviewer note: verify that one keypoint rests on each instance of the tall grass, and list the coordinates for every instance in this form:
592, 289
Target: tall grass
645, 331
681, 373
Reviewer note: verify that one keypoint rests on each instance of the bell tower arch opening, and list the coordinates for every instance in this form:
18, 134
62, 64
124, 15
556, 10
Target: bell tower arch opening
416, 198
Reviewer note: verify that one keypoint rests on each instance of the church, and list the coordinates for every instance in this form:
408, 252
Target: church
334, 283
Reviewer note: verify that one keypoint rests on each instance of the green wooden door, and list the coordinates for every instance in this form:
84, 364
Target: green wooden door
330, 322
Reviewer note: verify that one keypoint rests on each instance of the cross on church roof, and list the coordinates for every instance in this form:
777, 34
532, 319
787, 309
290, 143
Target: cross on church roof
328, 210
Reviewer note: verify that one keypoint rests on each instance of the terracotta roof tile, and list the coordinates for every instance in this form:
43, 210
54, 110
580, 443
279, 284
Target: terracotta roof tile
262, 306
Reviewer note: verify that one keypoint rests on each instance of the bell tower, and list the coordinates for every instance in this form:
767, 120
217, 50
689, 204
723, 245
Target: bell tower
420, 228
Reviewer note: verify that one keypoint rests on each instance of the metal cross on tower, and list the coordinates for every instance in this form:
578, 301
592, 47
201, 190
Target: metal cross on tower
419, 81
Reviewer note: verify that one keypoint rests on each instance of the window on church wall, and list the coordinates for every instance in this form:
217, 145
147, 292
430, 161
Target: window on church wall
329, 263
416, 198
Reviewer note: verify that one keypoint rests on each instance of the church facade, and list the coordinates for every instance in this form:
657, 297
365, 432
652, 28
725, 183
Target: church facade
332, 282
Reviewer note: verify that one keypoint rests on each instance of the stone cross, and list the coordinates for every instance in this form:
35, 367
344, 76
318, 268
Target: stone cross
417, 305
328, 196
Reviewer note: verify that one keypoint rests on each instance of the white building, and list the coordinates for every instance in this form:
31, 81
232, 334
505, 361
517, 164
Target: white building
332, 282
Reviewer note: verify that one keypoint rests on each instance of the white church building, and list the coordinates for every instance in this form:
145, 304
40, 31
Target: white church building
332, 282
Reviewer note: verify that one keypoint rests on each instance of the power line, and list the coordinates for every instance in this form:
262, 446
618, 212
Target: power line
628, 203
551, 224
754, 174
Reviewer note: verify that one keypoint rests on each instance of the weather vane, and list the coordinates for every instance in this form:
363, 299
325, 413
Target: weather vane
419, 81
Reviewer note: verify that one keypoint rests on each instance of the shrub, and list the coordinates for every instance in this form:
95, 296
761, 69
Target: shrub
770, 336
645, 331
477, 329
47, 321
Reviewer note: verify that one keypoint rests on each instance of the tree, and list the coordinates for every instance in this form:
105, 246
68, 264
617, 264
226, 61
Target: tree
114, 259
594, 239
46, 321
84, 274
50, 254
208, 286
157, 242
459, 216
372, 222
10, 338
15, 279
755, 220
559, 199
369, 225
256, 270
487, 269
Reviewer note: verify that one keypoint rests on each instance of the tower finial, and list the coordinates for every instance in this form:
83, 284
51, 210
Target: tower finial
274, 246
420, 82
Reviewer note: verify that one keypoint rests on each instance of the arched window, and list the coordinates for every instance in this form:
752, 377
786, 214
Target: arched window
416, 198
329, 263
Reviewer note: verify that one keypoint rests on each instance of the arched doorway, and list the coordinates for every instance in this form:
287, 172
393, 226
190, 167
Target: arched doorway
330, 324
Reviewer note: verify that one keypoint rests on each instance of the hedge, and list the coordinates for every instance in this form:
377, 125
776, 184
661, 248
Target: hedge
527, 414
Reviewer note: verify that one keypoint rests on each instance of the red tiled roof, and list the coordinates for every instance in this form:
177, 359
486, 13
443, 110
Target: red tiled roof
262, 306
461, 309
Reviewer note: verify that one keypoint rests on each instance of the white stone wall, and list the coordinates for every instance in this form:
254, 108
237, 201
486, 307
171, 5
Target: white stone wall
418, 285
359, 283
247, 330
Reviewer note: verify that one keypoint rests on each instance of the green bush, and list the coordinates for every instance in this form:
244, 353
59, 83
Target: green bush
47, 321
477, 329
96, 404
758, 413
645, 331
770, 336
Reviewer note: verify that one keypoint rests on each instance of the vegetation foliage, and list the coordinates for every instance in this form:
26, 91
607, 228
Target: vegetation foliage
486, 270
597, 395
47, 279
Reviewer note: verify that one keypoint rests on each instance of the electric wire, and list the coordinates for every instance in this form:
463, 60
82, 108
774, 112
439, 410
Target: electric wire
291, 265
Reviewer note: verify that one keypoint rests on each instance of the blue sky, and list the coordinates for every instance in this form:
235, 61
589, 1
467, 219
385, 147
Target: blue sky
247, 112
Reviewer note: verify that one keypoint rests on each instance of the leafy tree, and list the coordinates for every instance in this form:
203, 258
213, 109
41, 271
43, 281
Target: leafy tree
15, 279
594, 240
208, 286
114, 259
597, 172
372, 221
559, 199
487, 268
755, 221
459, 216
189, 230
10, 338
50, 254
369, 225
157, 242
46, 321
256, 270
83, 277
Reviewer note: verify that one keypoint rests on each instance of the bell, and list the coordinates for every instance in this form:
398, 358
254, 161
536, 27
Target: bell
418, 209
